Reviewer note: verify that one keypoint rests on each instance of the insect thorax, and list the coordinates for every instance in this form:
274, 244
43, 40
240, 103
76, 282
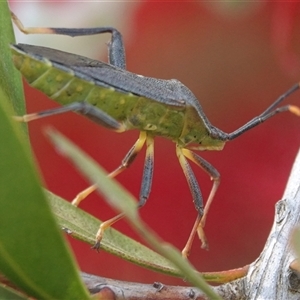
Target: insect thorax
197, 135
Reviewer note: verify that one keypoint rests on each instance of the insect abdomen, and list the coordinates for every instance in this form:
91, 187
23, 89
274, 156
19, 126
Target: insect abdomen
65, 87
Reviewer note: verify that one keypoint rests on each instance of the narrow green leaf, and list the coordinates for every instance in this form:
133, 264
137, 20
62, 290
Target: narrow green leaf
122, 201
83, 226
33, 253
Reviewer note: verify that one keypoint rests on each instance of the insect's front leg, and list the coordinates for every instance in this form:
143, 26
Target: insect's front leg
116, 51
146, 181
271, 111
182, 154
126, 162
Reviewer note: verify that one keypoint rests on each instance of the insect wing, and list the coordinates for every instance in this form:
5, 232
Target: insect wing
105, 75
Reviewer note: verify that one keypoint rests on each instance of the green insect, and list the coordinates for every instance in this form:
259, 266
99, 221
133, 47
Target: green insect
120, 101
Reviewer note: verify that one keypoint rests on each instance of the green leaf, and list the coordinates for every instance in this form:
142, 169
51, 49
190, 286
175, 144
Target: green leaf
33, 253
83, 226
124, 202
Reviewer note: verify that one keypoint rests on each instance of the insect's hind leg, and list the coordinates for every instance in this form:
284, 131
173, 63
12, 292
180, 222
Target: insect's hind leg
145, 187
116, 51
182, 154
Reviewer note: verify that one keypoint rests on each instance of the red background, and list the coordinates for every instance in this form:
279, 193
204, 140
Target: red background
236, 59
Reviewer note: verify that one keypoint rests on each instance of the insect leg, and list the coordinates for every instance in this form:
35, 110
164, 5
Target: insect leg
126, 162
197, 198
116, 51
83, 108
268, 113
148, 172
196, 193
145, 188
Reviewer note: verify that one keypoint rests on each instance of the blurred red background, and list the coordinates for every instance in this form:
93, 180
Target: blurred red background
237, 58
